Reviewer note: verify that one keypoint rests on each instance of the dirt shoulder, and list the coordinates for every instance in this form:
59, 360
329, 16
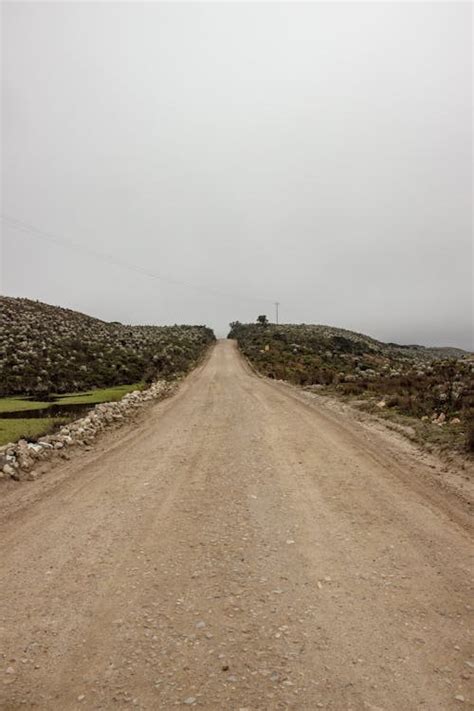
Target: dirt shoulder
452, 473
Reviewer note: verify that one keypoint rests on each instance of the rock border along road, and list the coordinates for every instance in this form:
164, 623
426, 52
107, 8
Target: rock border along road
239, 549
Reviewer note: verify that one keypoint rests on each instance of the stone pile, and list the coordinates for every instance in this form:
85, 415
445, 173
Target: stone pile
27, 460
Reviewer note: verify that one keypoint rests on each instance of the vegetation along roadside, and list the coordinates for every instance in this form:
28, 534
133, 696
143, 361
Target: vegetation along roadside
428, 390
56, 363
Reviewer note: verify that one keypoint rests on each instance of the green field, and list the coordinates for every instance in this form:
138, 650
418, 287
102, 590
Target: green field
13, 429
93, 397
17, 404
32, 427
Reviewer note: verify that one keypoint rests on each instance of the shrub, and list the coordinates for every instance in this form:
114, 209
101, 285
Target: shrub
470, 436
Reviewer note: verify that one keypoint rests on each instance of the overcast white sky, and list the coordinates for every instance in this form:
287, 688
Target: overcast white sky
318, 154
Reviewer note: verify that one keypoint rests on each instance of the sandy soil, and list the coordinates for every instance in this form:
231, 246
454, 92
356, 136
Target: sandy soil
239, 547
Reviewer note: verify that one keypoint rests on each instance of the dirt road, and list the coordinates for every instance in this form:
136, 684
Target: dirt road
238, 548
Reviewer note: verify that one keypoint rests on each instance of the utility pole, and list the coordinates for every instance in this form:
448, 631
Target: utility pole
277, 304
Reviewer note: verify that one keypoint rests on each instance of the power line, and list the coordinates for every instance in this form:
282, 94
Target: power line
15, 223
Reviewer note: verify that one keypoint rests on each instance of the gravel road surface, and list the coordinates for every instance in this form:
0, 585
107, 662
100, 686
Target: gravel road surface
238, 547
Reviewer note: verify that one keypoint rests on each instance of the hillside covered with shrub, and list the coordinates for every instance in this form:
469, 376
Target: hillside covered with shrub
47, 349
434, 384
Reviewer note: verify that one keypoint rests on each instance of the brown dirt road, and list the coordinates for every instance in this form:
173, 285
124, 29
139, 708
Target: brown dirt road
237, 548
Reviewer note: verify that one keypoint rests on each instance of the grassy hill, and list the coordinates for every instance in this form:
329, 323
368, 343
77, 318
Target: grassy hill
411, 381
47, 349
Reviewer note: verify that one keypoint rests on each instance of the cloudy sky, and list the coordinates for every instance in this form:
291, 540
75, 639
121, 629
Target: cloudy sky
315, 154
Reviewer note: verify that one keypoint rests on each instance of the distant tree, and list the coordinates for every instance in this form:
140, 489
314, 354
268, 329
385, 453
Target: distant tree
262, 320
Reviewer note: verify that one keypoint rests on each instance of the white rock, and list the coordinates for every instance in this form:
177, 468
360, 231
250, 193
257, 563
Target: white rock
8, 470
34, 447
